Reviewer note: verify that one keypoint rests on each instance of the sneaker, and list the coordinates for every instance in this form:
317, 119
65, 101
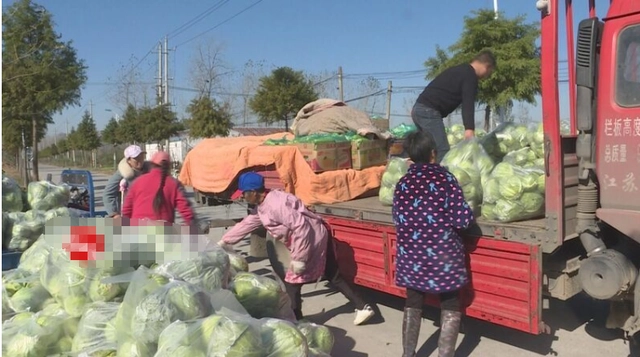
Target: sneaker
363, 315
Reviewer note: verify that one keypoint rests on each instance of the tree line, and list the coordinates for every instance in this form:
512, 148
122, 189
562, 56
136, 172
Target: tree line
42, 75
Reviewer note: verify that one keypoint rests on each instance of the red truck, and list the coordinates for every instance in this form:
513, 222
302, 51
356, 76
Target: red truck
589, 239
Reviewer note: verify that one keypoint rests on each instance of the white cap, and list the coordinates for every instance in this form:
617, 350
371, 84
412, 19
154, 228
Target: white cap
132, 151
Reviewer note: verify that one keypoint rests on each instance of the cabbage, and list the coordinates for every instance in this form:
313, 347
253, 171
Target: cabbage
513, 193
26, 228
260, 296
11, 195
34, 258
469, 163
42, 334
283, 339
44, 196
395, 170
235, 336
318, 337
208, 270
238, 263
92, 332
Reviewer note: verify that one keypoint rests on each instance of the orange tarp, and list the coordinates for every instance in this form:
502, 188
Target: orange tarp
213, 165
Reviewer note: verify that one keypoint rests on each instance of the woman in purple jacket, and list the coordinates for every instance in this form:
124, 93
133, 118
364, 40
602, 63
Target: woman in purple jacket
429, 210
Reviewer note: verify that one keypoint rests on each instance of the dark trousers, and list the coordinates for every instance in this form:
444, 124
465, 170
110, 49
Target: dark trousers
448, 301
332, 274
430, 120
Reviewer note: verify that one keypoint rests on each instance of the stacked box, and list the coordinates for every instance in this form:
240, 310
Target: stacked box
368, 153
326, 156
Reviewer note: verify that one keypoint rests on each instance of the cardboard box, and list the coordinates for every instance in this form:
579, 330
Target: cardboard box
326, 156
396, 149
368, 153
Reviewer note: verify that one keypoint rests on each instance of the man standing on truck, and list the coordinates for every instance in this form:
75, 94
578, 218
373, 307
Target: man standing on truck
305, 235
456, 86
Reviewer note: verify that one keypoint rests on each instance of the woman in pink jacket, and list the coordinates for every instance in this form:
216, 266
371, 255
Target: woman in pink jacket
304, 234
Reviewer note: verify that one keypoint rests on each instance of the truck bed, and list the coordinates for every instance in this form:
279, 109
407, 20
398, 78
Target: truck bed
370, 209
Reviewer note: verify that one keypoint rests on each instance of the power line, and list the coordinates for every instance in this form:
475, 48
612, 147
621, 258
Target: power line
381, 91
221, 23
197, 19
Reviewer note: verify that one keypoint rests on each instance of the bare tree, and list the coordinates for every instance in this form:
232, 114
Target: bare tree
131, 86
208, 68
326, 84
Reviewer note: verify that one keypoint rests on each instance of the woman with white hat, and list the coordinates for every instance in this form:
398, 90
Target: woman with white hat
130, 167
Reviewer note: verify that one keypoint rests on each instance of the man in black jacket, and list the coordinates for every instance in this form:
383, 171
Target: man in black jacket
456, 86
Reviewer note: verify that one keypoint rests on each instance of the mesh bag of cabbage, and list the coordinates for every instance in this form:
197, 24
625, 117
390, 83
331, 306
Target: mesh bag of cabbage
209, 270
74, 286
96, 334
262, 296
43, 195
513, 193
151, 303
11, 195
507, 137
470, 165
45, 333
396, 168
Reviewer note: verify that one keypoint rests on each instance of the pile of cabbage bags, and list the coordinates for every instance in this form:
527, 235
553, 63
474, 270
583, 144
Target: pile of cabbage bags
396, 168
515, 189
471, 165
513, 193
44, 202
205, 305
455, 134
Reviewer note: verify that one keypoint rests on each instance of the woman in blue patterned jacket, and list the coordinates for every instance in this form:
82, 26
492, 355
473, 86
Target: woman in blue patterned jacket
429, 211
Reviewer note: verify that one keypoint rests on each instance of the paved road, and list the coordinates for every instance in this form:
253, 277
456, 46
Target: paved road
575, 322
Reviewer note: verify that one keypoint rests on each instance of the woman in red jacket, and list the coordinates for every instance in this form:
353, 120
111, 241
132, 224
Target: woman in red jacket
157, 195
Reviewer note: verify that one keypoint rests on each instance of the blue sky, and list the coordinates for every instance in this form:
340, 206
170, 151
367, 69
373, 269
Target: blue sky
362, 36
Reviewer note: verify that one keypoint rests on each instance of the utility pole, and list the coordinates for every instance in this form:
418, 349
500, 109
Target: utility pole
160, 82
340, 85
166, 70
495, 9
91, 108
389, 90
166, 82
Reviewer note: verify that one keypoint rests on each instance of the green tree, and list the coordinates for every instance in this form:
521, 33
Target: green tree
157, 124
281, 94
110, 133
41, 74
129, 128
208, 118
73, 143
62, 146
513, 42
87, 133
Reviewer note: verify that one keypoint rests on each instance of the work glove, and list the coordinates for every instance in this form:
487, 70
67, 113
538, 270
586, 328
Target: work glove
297, 267
225, 246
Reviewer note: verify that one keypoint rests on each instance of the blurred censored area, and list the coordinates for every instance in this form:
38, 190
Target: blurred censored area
122, 242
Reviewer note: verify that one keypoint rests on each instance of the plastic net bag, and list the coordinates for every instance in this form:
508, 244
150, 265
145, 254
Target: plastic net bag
525, 157
32, 297
507, 137
74, 286
282, 338
238, 263
11, 195
396, 168
96, 335
469, 163
25, 229
513, 193
233, 335
209, 270
261, 296
318, 337
151, 303
44, 196
403, 130
45, 333
33, 259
